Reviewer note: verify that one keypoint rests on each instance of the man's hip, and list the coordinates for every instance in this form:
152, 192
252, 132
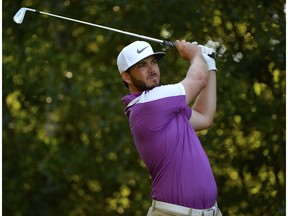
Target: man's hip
159, 208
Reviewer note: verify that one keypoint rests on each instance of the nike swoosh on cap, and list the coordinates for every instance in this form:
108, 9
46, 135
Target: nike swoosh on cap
140, 51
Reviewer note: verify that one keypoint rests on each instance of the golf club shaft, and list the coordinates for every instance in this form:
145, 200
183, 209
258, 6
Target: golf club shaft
18, 18
163, 42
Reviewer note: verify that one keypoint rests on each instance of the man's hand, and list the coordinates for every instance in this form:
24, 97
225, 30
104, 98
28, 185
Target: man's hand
211, 64
188, 50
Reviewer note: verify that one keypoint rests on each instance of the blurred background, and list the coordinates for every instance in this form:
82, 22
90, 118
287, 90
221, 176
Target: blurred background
67, 147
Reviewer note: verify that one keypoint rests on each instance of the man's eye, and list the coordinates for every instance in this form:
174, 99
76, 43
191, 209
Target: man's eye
154, 61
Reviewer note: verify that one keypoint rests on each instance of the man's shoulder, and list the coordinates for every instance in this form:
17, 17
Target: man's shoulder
130, 97
163, 91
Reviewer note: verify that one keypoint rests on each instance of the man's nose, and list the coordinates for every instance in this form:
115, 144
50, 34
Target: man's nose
150, 69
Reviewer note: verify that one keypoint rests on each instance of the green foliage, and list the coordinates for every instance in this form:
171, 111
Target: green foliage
67, 148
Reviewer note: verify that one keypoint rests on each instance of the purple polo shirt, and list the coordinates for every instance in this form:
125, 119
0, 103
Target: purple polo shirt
168, 145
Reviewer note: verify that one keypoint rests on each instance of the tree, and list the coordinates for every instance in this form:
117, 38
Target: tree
67, 148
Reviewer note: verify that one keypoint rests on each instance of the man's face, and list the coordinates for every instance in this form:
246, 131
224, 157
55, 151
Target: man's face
145, 75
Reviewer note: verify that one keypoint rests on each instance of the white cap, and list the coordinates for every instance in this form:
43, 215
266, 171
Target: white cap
134, 53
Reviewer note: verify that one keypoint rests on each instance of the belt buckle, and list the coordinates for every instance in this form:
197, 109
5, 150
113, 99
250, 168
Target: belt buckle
208, 212
214, 212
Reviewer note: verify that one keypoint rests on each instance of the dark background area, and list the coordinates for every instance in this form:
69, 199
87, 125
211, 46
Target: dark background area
67, 147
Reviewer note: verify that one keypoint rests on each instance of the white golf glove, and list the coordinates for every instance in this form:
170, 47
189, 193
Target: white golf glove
211, 64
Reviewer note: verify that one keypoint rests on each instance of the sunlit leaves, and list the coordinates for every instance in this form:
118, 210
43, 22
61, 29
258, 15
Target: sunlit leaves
119, 202
66, 142
13, 102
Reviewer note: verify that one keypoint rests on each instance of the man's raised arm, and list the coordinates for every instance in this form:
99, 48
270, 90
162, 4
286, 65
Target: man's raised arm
197, 75
204, 107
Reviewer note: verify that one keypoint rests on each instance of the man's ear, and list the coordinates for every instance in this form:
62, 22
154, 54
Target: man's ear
126, 77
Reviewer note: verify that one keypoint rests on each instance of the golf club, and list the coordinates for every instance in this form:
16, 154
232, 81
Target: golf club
19, 17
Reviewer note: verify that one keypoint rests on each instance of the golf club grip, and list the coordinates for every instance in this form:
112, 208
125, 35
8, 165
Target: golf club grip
169, 43
173, 44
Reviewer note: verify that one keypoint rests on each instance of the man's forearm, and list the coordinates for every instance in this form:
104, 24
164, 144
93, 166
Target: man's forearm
205, 103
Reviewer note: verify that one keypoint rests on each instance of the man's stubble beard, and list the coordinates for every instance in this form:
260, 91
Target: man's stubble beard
141, 85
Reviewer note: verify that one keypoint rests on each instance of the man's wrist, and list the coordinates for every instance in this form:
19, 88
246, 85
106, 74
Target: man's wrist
211, 64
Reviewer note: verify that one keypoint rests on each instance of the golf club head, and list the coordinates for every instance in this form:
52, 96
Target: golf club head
19, 16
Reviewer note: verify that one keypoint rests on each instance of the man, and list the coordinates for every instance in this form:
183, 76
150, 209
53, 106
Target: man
163, 127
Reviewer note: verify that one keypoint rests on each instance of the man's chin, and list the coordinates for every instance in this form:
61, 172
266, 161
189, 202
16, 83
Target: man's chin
153, 86
141, 86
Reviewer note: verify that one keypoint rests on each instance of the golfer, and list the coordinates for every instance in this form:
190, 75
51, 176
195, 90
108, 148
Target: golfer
163, 126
